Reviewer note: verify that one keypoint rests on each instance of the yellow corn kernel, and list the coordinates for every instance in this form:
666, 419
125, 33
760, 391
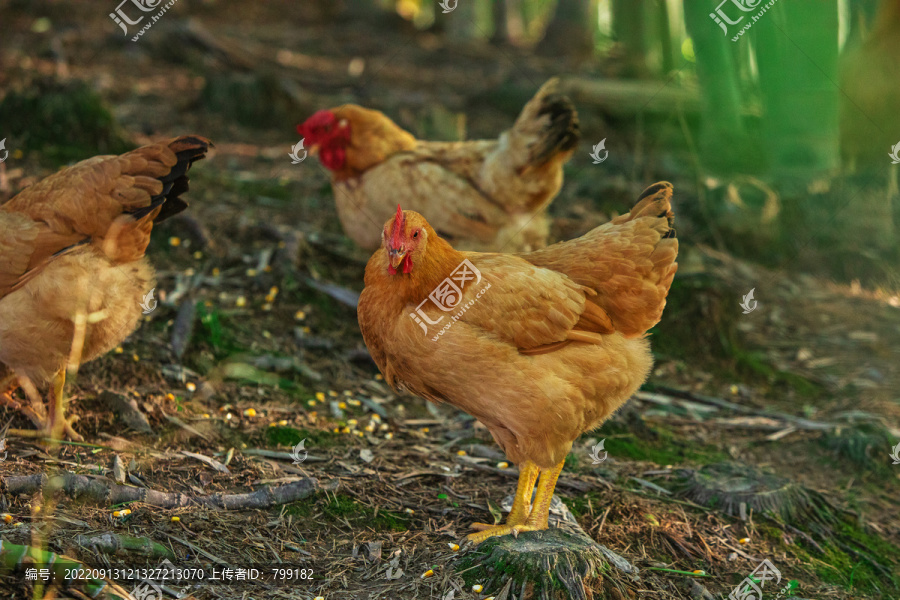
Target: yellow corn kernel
320, 396
453, 546
502, 465
250, 412
191, 386
175, 241
240, 302
427, 574
461, 452
477, 588
176, 519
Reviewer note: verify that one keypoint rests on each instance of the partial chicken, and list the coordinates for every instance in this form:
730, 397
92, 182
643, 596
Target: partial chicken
539, 346
72, 269
479, 195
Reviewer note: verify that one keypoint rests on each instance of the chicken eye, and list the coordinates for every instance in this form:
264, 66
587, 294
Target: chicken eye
416, 234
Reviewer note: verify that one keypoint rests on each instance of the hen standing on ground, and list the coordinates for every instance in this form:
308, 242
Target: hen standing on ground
540, 347
480, 195
72, 266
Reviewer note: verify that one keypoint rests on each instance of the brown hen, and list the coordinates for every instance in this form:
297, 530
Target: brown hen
480, 195
540, 347
73, 274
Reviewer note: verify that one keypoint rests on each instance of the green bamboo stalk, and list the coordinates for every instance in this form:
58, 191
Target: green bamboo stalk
112, 543
797, 54
723, 139
18, 558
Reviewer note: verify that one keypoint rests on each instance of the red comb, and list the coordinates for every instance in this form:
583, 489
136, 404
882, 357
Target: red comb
396, 234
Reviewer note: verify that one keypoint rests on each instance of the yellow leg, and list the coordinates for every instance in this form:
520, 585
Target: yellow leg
55, 425
540, 511
528, 473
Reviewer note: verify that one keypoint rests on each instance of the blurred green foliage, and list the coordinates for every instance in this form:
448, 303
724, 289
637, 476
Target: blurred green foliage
63, 121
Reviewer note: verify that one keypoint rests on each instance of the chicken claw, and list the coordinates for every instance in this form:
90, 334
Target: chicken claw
55, 425
498, 530
538, 516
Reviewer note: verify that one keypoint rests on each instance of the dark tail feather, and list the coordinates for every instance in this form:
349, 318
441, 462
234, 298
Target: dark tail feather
655, 201
562, 133
188, 149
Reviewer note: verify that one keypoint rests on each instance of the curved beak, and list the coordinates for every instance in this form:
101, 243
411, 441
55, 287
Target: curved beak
396, 256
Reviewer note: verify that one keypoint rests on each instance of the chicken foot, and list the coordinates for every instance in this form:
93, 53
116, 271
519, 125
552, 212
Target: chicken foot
538, 517
34, 412
55, 424
528, 475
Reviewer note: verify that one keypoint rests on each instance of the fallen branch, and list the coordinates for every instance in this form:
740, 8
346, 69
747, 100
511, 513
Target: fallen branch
113, 543
798, 422
101, 491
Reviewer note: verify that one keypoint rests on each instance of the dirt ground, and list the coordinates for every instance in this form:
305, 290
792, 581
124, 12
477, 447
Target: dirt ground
254, 345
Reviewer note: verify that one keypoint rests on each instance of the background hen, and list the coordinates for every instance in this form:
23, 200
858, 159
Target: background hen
480, 195
541, 346
72, 266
